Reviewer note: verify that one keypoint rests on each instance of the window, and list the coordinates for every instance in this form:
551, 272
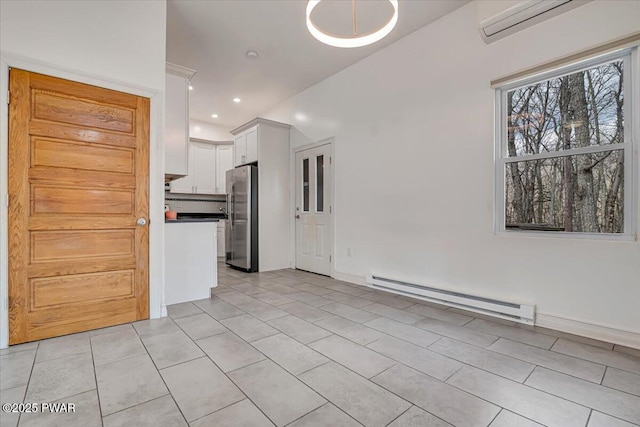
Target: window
305, 185
320, 183
564, 155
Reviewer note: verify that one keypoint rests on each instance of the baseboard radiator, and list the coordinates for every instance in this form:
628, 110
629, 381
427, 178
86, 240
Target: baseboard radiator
505, 310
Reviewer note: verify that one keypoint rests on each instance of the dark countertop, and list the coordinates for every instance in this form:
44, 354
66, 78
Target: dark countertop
182, 220
196, 217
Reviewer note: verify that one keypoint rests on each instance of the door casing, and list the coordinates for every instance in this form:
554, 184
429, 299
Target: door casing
156, 176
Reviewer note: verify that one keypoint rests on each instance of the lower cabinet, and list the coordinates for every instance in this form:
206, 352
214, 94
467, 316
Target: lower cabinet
221, 241
190, 267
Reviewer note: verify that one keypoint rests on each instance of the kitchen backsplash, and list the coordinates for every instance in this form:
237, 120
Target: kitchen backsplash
194, 203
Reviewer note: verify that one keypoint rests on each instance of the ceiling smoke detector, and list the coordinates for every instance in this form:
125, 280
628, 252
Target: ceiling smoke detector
252, 54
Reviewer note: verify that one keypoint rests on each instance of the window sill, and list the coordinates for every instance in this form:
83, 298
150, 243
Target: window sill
566, 235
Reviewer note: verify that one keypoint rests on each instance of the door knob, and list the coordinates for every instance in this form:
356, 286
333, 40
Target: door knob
297, 216
141, 221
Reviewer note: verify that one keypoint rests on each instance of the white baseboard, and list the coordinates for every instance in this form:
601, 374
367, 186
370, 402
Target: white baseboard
351, 278
163, 311
589, 330
576, 327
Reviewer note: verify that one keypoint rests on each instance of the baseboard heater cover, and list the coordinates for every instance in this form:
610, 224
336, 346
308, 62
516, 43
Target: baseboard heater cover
505, 310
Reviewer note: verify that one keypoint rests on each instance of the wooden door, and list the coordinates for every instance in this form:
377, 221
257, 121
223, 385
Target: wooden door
313, 210
78, 181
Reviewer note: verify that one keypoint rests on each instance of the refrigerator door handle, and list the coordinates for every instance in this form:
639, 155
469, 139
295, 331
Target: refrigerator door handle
232, 202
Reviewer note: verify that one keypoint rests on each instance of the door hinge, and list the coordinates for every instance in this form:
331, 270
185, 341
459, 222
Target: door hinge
8, 97
330, 211
6, 200
329, 159
329, 258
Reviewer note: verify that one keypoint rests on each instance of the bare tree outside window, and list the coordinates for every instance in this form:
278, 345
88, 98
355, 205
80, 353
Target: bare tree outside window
564, 153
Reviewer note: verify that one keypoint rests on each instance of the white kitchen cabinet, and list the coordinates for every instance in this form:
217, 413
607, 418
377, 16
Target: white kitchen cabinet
207, 166
221, 241
252, 144
187, 183
267, 142
191, 269
176, 131
246, 146
240, 149
224, 162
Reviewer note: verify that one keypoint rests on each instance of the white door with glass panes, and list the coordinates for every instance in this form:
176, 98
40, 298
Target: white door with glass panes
313, 213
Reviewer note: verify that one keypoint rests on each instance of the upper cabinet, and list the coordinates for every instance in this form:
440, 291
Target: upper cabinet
176, 130
208, 164
224, 162
246, 146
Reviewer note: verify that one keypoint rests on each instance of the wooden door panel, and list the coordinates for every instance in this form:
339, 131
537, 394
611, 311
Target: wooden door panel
91, 315
80, 222
78, 180
77, 177
48, 246
54, 291
77, 155
82, 91
64, 109
80, 266
73, 133
56, 200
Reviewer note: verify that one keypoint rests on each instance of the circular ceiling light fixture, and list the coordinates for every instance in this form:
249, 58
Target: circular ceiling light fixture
214, 115
252, 54
356, 40
237, 100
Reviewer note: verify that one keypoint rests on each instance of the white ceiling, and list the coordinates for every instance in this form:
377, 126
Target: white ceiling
213, 37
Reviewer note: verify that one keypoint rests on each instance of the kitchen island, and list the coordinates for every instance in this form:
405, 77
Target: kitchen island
191, 268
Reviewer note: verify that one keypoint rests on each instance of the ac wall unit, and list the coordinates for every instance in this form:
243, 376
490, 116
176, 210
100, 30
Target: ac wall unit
523, 15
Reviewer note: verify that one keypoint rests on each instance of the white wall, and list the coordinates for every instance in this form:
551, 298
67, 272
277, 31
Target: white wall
413, 127
114, 44
209, 131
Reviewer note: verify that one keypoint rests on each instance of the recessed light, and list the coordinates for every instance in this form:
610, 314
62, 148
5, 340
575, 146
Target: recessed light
236, 100
214, 115
252, 54
190, 87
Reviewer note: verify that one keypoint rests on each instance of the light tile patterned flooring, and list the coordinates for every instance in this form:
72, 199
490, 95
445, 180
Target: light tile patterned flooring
289, 348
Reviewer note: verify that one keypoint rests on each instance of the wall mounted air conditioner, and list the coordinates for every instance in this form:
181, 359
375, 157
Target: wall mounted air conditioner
523, 15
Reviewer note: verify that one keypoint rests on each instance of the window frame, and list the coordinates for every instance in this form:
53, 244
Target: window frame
630, 59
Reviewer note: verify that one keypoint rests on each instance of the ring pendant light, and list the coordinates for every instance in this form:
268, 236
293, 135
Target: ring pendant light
351, 42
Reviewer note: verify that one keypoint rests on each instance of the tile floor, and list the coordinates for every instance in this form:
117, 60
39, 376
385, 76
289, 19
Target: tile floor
289, 348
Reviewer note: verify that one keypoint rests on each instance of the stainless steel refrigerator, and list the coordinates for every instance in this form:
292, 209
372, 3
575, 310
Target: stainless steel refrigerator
241, 232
